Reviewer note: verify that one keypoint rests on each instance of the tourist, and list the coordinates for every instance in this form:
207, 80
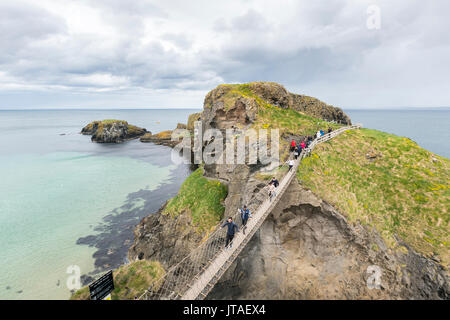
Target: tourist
303, 145
245, 214
232, 228
274, 181
318, 134
309, 140
296, 152
272, 192
293, 145
291, 164
321, 132
329, 130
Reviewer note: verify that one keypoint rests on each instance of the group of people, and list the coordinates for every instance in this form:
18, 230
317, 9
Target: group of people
298, 148
232, 227
321, 132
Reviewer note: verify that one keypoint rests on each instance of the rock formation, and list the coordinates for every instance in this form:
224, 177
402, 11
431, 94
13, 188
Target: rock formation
112, 131
220, 102
306, 249
154, 238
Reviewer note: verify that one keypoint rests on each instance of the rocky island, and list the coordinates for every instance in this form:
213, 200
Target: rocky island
112, 131
365, 198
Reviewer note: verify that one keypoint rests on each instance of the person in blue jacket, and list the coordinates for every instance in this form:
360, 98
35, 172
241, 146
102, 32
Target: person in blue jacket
245, 214
232, 228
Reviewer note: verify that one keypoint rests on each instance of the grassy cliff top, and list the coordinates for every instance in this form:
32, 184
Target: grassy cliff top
130, 280
387, 182
106, 122
132, 130
270, 115
201, 198
228, 93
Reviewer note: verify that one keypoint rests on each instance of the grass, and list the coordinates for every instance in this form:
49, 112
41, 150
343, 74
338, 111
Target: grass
164, 135
202, 198
278, 173
132, 130
192, 118
288, 121
107, 122
403, 192
130, 280
272, 117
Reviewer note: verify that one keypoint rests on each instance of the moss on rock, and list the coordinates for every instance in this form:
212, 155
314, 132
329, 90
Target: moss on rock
130, 280
387, 182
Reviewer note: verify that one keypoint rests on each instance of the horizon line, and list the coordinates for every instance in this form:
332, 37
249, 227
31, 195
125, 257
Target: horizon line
199, 108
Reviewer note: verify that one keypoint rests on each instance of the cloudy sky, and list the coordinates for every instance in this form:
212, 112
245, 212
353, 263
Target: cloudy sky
135, 54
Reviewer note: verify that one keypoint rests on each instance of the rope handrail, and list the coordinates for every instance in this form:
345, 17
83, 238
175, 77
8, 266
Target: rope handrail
196, 274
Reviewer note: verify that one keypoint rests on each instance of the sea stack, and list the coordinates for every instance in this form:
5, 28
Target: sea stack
112, 131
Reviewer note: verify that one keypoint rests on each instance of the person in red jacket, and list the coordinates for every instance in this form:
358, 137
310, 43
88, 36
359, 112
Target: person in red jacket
303, 145
293, 145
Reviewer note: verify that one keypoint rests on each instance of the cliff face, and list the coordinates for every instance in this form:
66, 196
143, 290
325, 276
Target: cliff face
227, 103
306, 249
177, 228
112, 131
162, 238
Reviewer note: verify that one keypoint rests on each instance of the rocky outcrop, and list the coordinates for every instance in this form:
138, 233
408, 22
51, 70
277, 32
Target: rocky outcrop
112, 131
222, 111
192, 118
228, 106
162, 138
306, 249
316, 108
163, 238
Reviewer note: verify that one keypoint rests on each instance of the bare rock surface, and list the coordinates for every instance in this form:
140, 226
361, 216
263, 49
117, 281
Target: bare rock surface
307, 250
112, 131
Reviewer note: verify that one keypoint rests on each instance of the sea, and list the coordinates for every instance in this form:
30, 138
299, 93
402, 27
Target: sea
68, 206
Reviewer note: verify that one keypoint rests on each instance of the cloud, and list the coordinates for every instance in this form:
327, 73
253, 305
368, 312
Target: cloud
171, 53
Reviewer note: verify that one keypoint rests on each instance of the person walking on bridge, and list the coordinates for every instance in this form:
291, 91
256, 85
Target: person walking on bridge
291, 164
232, 228
245, 214
293, 145
272, 191
275, 182
303, 145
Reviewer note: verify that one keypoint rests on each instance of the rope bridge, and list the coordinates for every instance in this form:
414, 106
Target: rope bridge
194, 276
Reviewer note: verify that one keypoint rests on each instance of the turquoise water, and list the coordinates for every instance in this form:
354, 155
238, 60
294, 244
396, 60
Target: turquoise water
67, 201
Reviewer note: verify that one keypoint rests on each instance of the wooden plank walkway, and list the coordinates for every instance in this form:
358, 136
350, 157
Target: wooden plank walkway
205, 281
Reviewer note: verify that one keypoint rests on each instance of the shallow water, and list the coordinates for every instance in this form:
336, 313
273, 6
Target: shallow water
65, 201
